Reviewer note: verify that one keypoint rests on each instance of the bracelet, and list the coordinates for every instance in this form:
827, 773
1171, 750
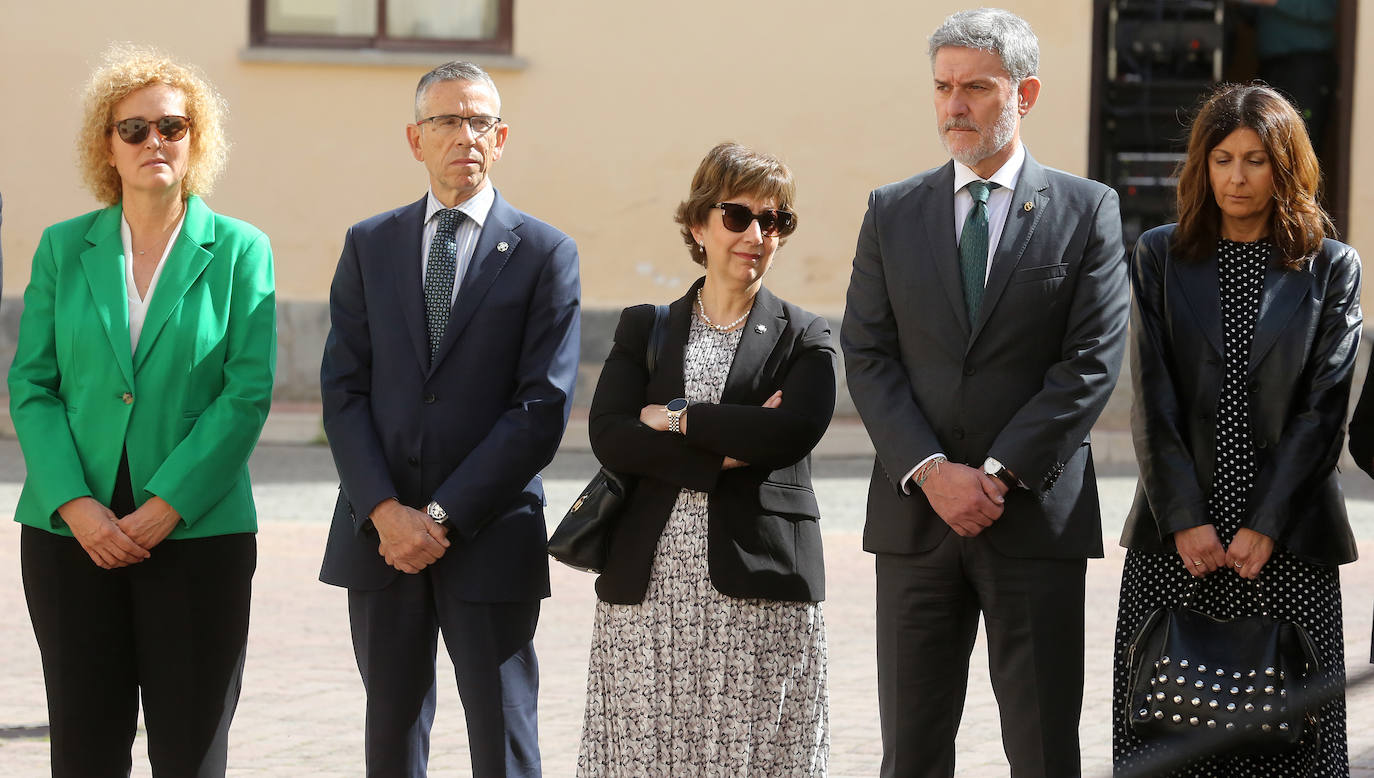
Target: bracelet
933, 466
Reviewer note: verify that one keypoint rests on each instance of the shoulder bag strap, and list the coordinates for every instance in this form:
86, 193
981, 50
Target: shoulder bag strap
657, 335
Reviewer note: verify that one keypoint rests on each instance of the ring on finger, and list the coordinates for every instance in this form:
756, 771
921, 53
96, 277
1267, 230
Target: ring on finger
1197, 563
1239, 565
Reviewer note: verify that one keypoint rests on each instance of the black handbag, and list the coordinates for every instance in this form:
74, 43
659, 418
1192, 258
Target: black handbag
583, 538
1213, 686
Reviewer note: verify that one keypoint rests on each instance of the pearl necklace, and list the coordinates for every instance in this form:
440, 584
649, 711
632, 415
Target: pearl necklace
701, 309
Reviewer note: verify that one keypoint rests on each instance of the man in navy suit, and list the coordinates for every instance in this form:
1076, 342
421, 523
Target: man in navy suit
447, 379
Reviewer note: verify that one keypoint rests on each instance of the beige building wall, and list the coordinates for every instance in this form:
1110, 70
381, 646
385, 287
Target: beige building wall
611, 104
613, 108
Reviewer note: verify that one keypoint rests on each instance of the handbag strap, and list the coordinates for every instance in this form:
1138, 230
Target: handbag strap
1253, 589
657, 335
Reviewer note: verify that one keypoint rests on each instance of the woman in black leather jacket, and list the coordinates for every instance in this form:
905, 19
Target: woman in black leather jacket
1245, 322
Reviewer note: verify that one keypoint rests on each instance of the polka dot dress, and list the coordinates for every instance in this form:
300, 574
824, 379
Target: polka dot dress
691, 682
1289, 589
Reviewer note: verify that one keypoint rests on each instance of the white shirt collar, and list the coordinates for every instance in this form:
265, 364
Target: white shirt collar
1006, 176
475, 208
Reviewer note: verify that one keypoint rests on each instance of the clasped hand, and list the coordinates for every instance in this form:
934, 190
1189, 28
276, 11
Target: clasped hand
1201, 551
968, 499
112, 542
410, 540
656, 417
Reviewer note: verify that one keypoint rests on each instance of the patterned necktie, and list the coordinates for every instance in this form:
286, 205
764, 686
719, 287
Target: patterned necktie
973, 247
439, 275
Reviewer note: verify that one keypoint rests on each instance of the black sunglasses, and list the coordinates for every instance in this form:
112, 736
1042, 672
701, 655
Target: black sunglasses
171, 128
773, 222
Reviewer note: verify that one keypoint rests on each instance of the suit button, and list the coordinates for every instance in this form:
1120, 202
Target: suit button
958, 433
429, 398
1254, 387
1261, 444
128, 398
969, 370
412, 461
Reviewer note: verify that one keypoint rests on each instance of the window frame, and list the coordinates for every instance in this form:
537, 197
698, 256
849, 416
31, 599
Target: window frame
500, 43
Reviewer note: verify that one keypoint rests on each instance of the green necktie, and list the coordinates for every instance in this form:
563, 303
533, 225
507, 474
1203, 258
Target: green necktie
973, 247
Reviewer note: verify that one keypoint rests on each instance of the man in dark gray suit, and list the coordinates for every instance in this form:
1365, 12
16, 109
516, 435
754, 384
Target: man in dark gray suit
983, 334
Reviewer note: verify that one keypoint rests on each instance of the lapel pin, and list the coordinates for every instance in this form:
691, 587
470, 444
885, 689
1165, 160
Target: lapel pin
503, 246
760, 328
1028, 206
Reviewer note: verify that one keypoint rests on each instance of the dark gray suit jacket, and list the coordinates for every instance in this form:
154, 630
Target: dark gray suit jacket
1024, 383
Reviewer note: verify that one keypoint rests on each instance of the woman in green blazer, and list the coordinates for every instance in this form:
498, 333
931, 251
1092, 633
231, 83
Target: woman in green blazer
140, 384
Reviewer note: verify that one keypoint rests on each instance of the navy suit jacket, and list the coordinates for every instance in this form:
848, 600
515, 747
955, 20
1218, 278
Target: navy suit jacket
470, 431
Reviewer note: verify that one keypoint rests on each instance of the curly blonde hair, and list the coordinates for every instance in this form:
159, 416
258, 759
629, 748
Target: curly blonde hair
127, 69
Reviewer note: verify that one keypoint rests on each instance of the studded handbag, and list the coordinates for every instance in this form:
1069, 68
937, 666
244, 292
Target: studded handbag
582, 539
1220, 685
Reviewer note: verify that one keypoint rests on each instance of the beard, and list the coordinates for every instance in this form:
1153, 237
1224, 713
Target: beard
990, 139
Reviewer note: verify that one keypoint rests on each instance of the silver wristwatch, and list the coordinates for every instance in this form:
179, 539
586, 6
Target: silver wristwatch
999, 471
436, 512
675, 409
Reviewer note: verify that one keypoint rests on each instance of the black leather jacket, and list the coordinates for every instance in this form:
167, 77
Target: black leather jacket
1301, 364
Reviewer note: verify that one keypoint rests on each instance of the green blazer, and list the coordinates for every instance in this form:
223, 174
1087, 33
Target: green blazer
188, 405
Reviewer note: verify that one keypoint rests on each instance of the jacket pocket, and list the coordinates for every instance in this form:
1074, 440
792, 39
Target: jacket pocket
784, 498
1040, 273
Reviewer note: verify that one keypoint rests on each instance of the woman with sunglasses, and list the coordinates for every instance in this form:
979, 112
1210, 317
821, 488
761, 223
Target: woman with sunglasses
708, 651
140, 383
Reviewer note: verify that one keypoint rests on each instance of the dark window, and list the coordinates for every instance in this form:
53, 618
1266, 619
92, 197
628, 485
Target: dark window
398, 25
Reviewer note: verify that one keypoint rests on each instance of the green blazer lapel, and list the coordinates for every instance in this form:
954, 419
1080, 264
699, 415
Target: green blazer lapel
184, 265
103, 264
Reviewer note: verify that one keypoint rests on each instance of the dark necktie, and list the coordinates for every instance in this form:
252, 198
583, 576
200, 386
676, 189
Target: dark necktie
439, 275
973, 247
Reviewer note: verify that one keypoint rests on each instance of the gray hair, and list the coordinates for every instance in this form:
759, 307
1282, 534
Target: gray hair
454, 71
991, 29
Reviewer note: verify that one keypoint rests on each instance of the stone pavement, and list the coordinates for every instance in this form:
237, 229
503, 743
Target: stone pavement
301, 711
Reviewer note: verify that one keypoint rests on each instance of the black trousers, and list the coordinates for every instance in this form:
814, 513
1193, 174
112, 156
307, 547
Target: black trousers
172, 628
491, 644
928, 609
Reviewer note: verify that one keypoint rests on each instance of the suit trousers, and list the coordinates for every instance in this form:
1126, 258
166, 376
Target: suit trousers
928, 608
172, 628
491, 644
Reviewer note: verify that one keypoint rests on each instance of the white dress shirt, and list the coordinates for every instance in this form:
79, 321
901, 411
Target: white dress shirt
476, 209
138, 306
999, 205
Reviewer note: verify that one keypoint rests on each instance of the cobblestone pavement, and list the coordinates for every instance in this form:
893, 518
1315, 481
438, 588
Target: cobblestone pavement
301, 711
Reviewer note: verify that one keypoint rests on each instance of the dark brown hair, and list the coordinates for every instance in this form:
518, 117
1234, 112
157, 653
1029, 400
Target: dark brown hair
732, 170
1297, 222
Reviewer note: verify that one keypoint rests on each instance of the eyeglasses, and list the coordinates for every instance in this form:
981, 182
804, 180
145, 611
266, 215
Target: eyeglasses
447, 123
773, 222
171, 128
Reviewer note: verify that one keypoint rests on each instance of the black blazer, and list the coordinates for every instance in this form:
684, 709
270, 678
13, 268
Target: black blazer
1024, 383
1300, 370
1362, 425
762, 535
